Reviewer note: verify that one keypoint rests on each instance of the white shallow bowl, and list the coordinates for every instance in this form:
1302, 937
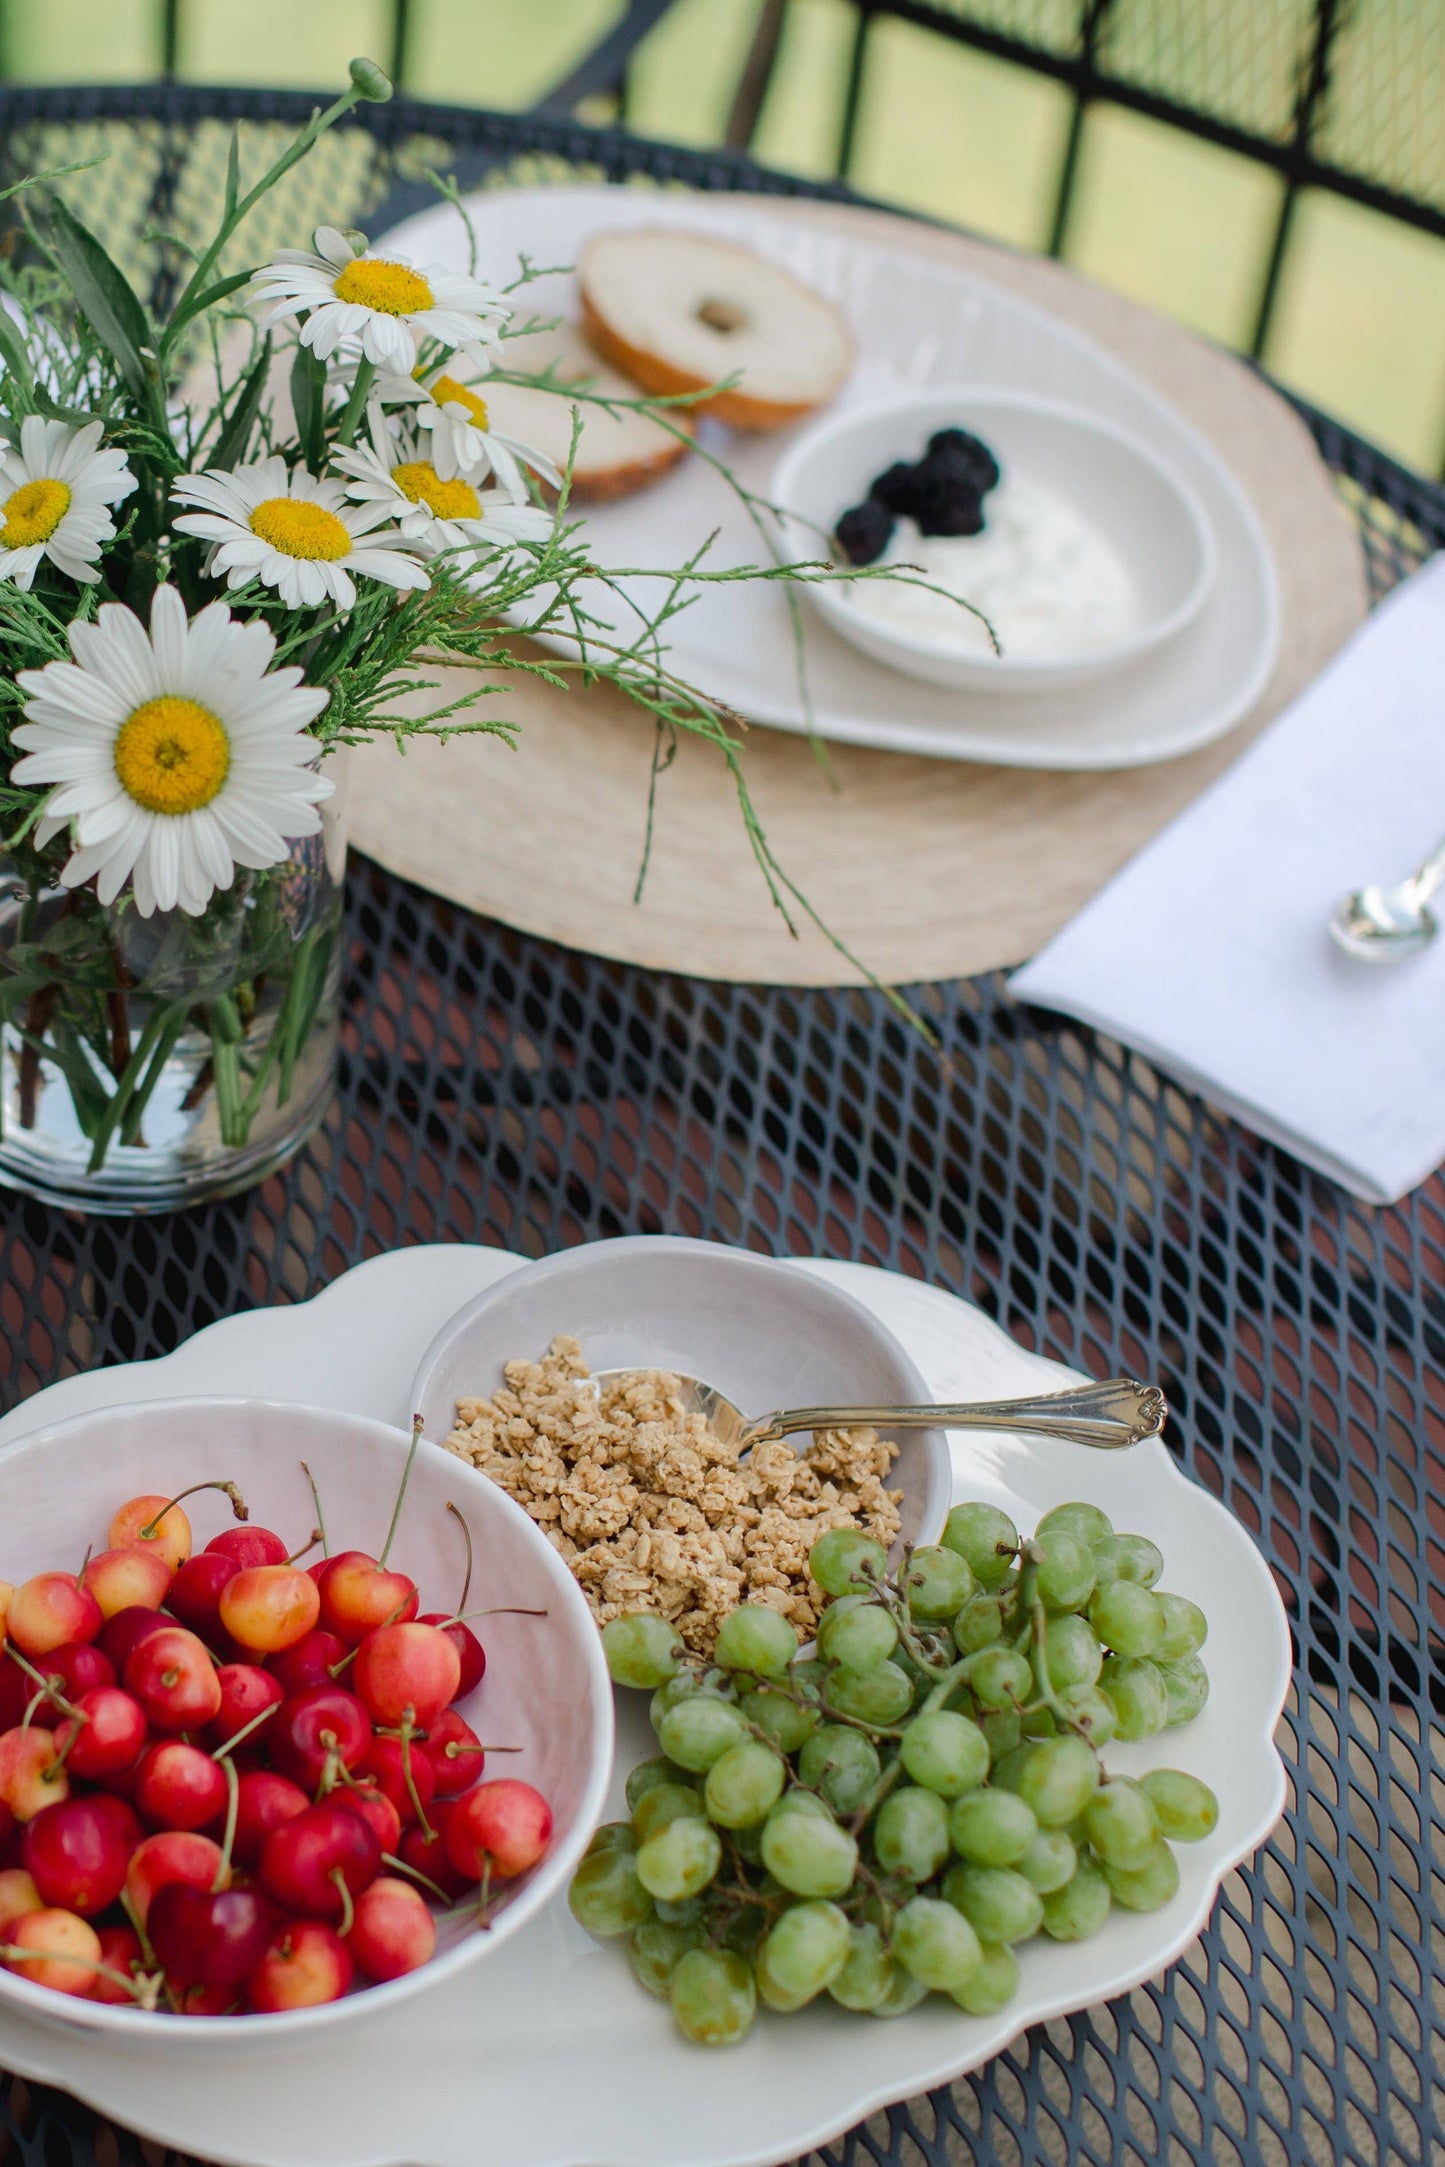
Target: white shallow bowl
1127, 492
546, 1687
765, 1335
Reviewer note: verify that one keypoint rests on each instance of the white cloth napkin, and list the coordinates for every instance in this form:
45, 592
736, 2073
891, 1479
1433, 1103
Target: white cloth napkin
1211, 953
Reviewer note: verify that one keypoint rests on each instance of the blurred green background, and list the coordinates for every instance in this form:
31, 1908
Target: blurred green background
1174, 220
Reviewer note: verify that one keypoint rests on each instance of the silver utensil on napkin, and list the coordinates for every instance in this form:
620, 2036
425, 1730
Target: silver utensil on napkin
1385, 925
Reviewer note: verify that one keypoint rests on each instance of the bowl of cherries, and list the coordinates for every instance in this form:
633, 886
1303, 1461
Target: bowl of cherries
297, 1714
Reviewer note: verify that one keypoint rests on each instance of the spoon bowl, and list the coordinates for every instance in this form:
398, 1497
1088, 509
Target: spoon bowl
1384, 925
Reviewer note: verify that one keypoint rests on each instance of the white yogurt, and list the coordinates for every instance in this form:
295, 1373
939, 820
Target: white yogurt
1048, 581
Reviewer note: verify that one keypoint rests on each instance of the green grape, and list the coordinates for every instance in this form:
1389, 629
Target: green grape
781, 1720
978, 1625
1126, 1617
999, 1677
879, 1696
744, 1784
935, 1943
1064, 1574
1186, 1689
1002, 1728
641, 1650
842, 1764
804, 1802
607, 1895
999, 1904
655, 1950
1186, 1809
1149, 1884
808, 1854
945, 1752
612, 1836
902, 1993
992, 1828
1073, 1653
713, 1996
802, 1955
755, 1638
1130, 1557
1137, 1690
856, 1632
985, 1538
687, 1911
699, 1731
808, 1678
665, 1802
1185, 1627
1058, 1780
1121, 1823
868, 1972
1038, 1723
993, 1985
647, 1775
937, 1583
681, 1686
680, 1859
845, 1559
1086, 1523
910, 1833
1049, 1860
1086, 1705
1081, 1906
1010, 1766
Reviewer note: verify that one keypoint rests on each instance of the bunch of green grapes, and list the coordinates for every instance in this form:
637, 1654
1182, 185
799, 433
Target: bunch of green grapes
891, 1814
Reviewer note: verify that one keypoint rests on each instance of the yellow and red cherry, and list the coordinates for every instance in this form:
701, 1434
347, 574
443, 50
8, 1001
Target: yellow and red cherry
76, 1853
358, 1594
455, 1753
32, 1776
315, 1864
67, 1950
392, 1931
307, 1963
109, 1739
172, 1676
18, 1894
48, 1610
470, 1652
174, 1855
128, 1579
178, 1786
266, 1608
264, 1800
498, 1830
315, 1729
406, 1670
152, 1523
312, 1661
388, 1763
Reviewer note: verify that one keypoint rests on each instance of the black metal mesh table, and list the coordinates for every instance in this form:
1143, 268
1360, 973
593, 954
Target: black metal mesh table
498, 1089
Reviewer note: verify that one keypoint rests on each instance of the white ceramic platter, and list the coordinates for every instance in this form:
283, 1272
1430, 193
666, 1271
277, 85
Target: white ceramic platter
916, 323
549, 2055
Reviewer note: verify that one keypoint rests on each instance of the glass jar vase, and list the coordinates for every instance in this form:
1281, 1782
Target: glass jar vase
147, 1064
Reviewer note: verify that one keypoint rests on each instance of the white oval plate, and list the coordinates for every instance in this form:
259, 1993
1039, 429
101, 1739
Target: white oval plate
550, 2055
916, 323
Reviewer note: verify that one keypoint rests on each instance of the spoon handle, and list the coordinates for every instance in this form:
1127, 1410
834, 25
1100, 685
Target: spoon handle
1107, 1415
1426, 878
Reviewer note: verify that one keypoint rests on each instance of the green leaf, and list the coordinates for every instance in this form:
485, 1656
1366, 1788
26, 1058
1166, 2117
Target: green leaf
13, 352
199, 302
232, 442
44, 404
233, 177
106, 297
308, 403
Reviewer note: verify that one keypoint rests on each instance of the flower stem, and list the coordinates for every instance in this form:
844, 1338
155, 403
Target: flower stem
356, 404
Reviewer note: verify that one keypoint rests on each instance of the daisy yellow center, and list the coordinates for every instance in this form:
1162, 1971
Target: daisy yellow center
172, 755
33, 513
392, 289
420, 481
298, 528
448, 392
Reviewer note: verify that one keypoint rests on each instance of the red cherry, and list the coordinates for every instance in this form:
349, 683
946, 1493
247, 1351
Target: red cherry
310, 1726
504, 1825
307, 1963
377, 1810
470, 1652
384, 1763
246, 1690
428, 1854
120, 1950
175, 1855
195, 1594
9, 1838
358, 1595
172, 1676
78, 1667
403, 1669
304, 1862
392, 1931
178, 1786
455, 1753
209, 1940
76, 1854
263, 1801
110, 1738
125, 1632
310, 1662
248, 1546
207, 2001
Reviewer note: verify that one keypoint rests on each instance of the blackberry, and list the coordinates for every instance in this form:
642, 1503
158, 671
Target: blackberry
899, 488
968, 453
865, 532
946, 505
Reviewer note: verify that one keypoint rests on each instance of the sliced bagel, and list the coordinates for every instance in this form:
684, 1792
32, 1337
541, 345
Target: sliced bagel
678, 311
616, 453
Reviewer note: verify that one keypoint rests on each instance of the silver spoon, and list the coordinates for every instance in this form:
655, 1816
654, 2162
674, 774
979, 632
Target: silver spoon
1385, 925
1119, 1411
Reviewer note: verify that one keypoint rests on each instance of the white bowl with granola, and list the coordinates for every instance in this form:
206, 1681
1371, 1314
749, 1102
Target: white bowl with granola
650, 1508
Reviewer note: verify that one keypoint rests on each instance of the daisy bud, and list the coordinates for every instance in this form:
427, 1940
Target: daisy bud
369, 80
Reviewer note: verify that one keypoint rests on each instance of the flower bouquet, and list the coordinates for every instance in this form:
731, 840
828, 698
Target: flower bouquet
230, 539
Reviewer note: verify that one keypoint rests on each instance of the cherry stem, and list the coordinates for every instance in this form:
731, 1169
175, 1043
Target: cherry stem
245, 1731
316, 1501
484, 1878
454, 1749
348, 1909
414, 1873
498, 1610
49, 1690
138, 1928
401, 1493
460, 1519
408, 1726
233, 1803
145, 1992
315, 1537
238, 1505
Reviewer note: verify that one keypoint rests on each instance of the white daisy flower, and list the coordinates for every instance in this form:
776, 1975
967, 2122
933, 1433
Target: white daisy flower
462, 439
293, 532
472, 527
53, 496
383, 304
176, 755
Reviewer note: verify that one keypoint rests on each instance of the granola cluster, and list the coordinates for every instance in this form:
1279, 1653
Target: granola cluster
652, 1510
